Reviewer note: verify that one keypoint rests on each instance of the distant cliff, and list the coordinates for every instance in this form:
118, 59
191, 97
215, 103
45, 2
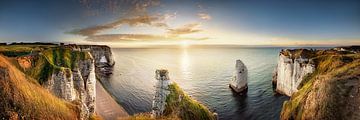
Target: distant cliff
330, 91
67, 71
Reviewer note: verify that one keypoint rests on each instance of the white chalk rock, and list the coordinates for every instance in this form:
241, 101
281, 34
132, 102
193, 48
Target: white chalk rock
290, 73
161, 93
239, 80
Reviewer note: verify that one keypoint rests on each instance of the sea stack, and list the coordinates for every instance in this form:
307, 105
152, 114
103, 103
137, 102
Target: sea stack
239, 80
162, 91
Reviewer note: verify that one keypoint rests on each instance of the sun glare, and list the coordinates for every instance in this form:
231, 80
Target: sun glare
185, 44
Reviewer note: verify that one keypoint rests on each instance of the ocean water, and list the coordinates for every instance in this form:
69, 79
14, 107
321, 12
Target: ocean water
203, 73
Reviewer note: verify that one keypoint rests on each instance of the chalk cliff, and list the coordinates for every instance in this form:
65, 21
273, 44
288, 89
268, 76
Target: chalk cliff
68, 71
292, 67
239, 80
161, 93
103, 57
21, 97
331, 92
77, 83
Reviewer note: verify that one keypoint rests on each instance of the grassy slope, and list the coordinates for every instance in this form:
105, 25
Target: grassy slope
22, 97
319, 90
54, 59
185, 109
27, 95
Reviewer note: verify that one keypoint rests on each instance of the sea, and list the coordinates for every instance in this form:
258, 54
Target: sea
204, 74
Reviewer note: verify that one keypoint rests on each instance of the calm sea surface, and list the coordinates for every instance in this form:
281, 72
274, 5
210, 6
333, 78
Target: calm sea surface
202, 73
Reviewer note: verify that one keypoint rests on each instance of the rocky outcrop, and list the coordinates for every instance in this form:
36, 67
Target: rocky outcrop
102, 55
22, 98
239, 80
171, 102
76, 84
292, 67
161, 93
69, 72
352, 49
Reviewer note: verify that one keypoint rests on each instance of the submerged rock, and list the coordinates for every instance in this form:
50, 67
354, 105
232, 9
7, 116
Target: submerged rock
239, 80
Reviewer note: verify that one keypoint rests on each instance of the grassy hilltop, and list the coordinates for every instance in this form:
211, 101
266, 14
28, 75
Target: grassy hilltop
23, 69
23, 97
331, 92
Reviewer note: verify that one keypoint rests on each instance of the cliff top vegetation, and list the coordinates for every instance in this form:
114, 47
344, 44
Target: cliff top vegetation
22, 97
326, 93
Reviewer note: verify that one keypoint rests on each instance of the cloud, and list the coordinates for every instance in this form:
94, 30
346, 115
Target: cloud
135, 13
150, 20
204, 16
136, 37
126, 7
186, 29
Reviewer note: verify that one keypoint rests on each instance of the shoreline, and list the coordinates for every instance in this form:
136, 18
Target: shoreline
106, 106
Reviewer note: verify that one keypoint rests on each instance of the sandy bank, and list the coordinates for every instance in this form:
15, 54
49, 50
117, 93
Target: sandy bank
106, 106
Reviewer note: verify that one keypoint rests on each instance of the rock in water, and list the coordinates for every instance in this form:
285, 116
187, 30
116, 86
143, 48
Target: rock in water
239, 80
161, 93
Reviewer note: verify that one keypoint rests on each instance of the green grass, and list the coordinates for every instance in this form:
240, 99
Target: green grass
24, 99
176, 109
185, 108
22, 94
53, 60
329, 66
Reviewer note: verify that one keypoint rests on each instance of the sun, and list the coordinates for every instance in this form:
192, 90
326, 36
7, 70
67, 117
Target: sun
185, 44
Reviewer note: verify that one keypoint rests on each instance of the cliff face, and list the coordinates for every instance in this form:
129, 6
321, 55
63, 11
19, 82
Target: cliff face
68, 71
292, 67
77, 84
103, 57
23, 98
161, 93
78, 81
331, 92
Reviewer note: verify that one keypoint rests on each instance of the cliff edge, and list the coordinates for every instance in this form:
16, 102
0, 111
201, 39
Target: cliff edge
23, 98
330, 91
292, 67
172, 103
68, 72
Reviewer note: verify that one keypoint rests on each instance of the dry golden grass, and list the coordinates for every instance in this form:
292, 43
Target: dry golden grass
24, 99
323, 94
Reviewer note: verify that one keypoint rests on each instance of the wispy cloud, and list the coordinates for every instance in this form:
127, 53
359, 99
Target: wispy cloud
204, 16
137, 37
149, 20
126, 7
186, 29
137, 14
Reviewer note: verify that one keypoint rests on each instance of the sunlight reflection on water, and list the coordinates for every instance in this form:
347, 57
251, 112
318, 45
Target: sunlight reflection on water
202, 73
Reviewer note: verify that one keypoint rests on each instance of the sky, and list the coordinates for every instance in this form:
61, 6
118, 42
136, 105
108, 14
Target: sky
136, 23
